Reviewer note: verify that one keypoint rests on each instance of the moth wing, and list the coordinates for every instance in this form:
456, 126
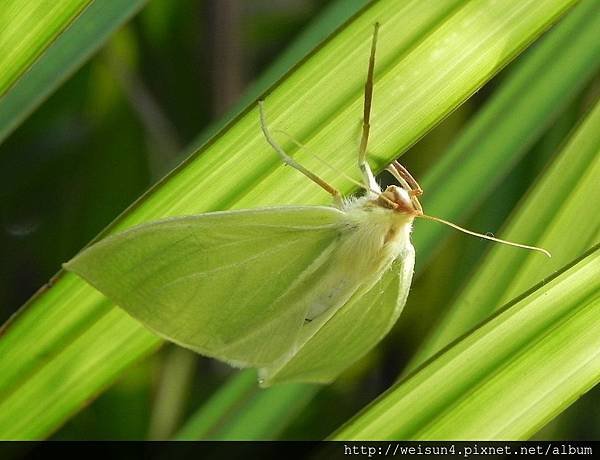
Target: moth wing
350, 332
226, 284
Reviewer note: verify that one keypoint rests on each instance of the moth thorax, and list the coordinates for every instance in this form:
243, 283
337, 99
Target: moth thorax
398, 199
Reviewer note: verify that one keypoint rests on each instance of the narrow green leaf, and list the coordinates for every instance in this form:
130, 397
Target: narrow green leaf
278, 406
533, 95
65, 52
205, 423
562, 204
59, 390
171, 392
505, 379
27, 29
432, 56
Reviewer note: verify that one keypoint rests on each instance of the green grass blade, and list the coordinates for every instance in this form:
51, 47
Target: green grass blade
507, 378
532, 96
431, 57
218, 420
66, 49
500, 134
562, 204
28, 28
204, 423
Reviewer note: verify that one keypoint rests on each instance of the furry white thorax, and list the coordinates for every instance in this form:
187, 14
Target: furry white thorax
374, 237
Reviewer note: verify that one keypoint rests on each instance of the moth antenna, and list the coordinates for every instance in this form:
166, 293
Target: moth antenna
322, 160
481, 235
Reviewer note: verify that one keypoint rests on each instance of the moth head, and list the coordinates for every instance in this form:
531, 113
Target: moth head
400, 200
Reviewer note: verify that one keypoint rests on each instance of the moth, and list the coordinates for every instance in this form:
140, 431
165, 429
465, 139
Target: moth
245, 287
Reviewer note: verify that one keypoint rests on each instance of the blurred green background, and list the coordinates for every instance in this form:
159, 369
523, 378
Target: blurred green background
155, 91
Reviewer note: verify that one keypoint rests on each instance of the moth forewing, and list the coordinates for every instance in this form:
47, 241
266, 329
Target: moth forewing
231, 285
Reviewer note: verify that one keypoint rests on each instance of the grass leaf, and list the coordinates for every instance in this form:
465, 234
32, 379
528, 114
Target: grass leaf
58, 38
505, 379
568, 191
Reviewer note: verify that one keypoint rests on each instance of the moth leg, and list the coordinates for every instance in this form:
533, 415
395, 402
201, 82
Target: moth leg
414, 186
367, 173
405, 178
407, 181
288, 160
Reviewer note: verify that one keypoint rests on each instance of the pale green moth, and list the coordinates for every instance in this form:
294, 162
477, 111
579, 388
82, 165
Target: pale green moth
244, 286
